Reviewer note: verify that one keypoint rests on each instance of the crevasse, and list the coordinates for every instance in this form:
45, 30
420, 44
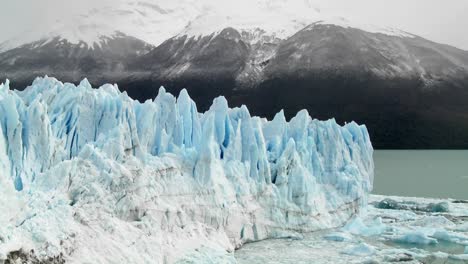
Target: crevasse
92, 175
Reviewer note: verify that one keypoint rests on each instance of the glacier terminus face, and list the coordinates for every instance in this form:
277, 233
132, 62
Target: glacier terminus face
92, 176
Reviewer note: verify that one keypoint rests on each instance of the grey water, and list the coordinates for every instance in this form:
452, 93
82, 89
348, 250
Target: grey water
422, 173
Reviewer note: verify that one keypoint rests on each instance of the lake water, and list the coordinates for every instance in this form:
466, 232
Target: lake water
422, 173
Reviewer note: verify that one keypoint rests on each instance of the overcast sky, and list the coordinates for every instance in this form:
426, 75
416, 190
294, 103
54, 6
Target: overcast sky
444, 21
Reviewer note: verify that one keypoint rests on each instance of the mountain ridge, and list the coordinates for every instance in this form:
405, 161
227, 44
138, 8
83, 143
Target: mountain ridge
155, 23
387, 79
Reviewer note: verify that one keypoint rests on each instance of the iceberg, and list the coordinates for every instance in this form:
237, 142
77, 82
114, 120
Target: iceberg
416, 237
91, 176
362, 249
338, 236
356, 226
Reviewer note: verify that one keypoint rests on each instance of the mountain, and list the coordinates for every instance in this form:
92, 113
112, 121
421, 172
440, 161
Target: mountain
267, 54
61, 58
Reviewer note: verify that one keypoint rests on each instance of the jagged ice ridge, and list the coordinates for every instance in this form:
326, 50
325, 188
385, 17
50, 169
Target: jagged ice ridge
92, 176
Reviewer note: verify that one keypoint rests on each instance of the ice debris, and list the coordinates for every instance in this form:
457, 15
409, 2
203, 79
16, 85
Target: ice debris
338, 236
362, 249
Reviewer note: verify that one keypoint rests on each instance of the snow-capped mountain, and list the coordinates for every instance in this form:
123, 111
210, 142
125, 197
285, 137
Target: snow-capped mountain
156, 21
332, 66
143, 19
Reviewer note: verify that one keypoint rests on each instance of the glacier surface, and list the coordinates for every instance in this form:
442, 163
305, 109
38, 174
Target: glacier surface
92, 176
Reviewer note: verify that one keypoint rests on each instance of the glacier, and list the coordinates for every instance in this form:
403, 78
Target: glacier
92, 176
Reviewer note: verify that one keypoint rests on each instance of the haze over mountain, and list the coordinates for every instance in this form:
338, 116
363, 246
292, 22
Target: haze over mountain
269, 54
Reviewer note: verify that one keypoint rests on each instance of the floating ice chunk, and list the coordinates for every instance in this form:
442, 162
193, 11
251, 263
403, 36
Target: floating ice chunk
449, 236
338, 236
370, 261
433, 221
358, 227
362, 249
415, 237
440, 255
461, 257
441, 207
388, 203
462, 227
390, 253
400, 257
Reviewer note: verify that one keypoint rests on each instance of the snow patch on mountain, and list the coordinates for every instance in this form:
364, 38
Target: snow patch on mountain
91, 24
345, 23
277, 19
